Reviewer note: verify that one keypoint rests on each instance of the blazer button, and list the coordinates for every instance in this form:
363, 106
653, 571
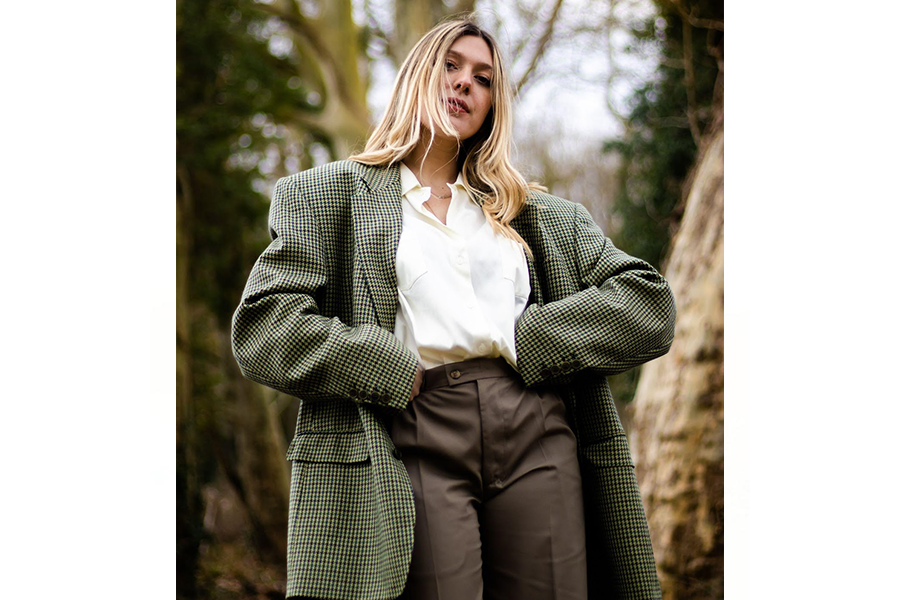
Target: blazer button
576, 364
354, 393
397, 454
565, 366
554, 369
455, 374
545, 373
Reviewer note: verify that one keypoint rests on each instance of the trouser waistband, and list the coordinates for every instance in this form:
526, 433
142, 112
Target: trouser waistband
466, 371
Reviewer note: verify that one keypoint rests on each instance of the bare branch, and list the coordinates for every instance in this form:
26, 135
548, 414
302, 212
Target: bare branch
525, 16
305, 30
542, 46
715, 51
614, 71
688, 52
519, 48
377, 30
694, 21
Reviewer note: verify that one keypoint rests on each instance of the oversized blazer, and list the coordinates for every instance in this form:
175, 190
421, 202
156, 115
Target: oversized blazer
316, 319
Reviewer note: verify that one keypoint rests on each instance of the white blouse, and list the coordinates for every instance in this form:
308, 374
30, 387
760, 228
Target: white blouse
461, 286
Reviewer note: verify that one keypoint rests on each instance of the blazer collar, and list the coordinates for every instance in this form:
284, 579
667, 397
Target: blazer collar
379, 177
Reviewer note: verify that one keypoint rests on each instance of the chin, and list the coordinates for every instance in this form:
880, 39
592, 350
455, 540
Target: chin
465, 133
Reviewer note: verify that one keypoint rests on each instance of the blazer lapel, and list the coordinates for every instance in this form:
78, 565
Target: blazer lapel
377, 222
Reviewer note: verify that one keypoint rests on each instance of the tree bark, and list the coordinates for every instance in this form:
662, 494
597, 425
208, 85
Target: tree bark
412, 18
678, 419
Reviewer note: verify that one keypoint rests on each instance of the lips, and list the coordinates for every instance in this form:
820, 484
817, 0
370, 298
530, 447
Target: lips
458, 102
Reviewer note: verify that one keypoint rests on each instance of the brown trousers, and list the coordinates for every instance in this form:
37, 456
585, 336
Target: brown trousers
494, 471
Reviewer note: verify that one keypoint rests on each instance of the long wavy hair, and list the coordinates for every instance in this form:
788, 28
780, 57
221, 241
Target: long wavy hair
416, 108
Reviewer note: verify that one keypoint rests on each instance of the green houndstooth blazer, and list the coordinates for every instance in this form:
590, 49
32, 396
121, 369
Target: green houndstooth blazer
315, 321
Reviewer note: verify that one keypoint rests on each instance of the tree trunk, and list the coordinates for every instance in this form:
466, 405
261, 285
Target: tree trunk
678, 427
333, 65
412, 19
188, 500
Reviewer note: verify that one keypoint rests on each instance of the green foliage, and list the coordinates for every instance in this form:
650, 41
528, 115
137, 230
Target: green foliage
232, 93
658, 148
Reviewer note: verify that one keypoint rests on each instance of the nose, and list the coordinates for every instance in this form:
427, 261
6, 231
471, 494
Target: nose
463, 81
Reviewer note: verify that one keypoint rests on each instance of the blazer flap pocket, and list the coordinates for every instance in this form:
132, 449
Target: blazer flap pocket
329, 447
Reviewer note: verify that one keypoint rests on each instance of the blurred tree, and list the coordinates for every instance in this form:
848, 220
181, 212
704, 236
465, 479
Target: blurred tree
231, 91
678, 422
413, 18
673, 180
663, 119
326, 48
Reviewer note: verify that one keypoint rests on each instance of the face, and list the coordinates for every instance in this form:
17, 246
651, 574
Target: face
469, 74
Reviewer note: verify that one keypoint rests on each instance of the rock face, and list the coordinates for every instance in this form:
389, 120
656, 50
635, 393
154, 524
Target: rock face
678, 411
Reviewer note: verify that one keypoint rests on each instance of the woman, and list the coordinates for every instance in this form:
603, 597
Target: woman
448, 328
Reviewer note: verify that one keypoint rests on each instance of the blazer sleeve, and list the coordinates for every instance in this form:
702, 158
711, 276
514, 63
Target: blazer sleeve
623, 316
280, 339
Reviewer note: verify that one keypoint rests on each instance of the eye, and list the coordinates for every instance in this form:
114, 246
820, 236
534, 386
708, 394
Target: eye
484, 81
449, 65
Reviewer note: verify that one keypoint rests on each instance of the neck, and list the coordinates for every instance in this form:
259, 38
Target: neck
438, 167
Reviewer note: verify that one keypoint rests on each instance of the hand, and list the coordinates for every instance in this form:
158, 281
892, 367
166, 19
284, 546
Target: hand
417, 384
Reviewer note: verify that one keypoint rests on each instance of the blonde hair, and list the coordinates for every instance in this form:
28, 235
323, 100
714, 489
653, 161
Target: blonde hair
419, 96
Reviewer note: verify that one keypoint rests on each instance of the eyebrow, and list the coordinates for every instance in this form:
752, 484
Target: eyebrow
479, 65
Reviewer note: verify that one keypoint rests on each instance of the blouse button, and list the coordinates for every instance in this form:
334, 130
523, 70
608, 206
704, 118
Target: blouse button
455, 374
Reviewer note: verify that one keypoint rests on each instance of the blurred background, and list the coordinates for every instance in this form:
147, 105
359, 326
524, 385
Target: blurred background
620, 108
